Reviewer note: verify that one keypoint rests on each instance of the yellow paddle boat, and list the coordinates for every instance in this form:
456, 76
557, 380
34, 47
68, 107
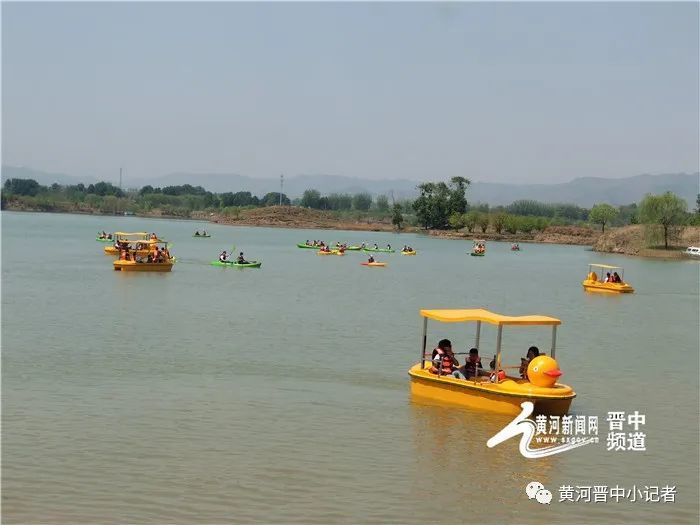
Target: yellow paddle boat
154, 260
495, 391
612, 283
408, 252
332, 252
126, 237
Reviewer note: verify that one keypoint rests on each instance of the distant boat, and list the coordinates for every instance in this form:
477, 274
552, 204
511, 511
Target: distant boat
128, 213
692, 251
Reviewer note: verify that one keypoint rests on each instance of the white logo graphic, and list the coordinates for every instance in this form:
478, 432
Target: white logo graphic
532, 488
536, 490
524, 426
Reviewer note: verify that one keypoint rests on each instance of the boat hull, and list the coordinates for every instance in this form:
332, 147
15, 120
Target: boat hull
374, 264
408, 253
383, 250
252, 264
504, 397
307, 246
598, 287
131, 266
477, 254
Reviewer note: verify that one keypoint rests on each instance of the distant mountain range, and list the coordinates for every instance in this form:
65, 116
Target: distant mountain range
584, 191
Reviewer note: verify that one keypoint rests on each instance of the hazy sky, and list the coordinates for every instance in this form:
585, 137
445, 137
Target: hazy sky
495, 92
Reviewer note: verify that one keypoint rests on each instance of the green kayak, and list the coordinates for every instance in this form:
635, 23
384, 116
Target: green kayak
205, 236
385, 250
104, 240
477, 254
302, 245
249, 264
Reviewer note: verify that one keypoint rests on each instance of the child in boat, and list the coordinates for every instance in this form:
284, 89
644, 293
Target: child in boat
532, 352
472, 367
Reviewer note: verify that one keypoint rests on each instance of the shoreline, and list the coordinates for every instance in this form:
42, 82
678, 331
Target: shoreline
625, 240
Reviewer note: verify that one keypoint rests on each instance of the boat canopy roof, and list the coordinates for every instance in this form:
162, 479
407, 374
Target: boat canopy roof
479, 314
144, 241
607, 266
132, 233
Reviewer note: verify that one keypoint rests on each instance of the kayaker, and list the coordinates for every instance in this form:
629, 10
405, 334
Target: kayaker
196, 234
371, 259
223, 256
376, 247
204, 233
241, 259
362, 246
388, 246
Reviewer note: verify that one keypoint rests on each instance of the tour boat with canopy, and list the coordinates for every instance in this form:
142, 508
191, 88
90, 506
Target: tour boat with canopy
156, 259
592, 283
496, 391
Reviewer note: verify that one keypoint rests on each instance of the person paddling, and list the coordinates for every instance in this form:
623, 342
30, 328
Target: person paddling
223, 256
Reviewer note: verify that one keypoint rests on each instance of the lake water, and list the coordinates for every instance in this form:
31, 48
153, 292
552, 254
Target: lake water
281, 395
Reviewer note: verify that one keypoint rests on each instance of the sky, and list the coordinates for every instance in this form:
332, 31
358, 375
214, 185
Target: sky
500, 92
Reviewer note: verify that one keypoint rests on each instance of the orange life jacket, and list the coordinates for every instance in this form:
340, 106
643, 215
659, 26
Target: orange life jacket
447, 363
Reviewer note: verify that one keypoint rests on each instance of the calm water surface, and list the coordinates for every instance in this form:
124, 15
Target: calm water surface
280, 395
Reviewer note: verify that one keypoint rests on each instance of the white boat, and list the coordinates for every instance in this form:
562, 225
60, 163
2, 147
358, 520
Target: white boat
692, 251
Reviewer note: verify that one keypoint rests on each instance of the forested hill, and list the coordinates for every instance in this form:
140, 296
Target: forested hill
585, 191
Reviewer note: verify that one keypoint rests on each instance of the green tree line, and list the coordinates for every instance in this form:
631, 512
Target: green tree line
440, 205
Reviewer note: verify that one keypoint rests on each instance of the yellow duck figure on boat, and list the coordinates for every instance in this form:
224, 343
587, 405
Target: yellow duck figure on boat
543, 371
